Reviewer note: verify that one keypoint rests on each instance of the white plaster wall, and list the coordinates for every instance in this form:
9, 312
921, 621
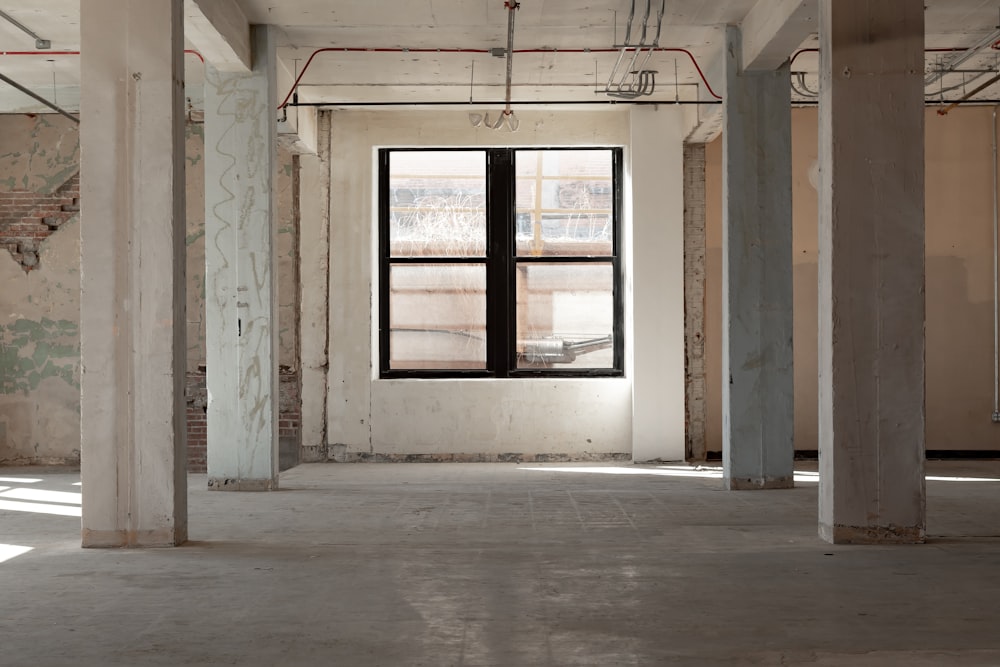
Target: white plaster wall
367, 415
656, 167
558, 416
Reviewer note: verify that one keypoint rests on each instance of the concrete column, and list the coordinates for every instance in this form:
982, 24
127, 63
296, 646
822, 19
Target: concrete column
694, 301
314, 269
757, 381
656, 244
871, 271
241, 301
132, 307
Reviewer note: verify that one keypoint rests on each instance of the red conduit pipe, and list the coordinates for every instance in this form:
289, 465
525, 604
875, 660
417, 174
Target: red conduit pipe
941, 49
39, 53
73, 53
402, 50
690, 56
357, 50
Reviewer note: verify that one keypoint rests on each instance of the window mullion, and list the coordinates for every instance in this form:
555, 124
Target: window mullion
617, 170
500, 200
383, 259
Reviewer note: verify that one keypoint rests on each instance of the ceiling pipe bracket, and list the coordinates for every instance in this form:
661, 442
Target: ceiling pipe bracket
41, 44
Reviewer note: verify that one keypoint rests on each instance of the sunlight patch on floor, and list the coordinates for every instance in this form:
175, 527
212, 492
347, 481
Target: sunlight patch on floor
8, 551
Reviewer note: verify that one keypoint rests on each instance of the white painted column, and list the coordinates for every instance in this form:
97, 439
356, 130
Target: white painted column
871, 271
657, 271
314, 282
757, 381
132, 308
351, 336
240, 300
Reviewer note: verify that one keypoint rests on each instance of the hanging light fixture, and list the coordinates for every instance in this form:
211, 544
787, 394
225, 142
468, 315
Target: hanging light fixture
506, 119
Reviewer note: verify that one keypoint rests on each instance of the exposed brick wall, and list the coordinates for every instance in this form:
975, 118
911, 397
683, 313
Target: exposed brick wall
28, 218
289, 419
694, 300
289, 408
197, 422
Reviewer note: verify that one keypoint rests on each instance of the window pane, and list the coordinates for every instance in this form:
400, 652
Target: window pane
565, 315
437, 316
564, 203
437, 203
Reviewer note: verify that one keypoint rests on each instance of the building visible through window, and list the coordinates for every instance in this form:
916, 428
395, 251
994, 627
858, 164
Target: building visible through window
500, 262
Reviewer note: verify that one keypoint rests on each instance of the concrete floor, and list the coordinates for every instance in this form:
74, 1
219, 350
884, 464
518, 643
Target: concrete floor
500, 564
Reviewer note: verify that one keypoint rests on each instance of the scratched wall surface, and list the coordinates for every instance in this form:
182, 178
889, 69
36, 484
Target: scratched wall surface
40, 311
241, 280
285, 251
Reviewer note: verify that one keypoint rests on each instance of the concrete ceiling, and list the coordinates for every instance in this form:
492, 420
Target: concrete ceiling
573, 72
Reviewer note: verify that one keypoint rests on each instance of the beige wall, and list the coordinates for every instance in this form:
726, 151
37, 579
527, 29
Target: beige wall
959, 262
40, 310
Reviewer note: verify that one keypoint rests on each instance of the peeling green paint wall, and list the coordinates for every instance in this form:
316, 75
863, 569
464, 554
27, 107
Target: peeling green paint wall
33, 350
38, 153
40, 312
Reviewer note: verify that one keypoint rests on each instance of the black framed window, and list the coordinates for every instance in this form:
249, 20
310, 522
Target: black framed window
500, 262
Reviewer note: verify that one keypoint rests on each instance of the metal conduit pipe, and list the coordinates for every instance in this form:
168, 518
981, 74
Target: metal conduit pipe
39, 42
996, 287
645, 22
39, 98
659, 21
628, 28
978, 89
960, 57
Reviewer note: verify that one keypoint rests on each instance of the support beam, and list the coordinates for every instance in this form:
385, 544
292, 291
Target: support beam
706, 123
757, 393
314, 285
132, 307
773, 29
871, 272
220, 32
298, 130
241, 303
694, 301
770, 32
